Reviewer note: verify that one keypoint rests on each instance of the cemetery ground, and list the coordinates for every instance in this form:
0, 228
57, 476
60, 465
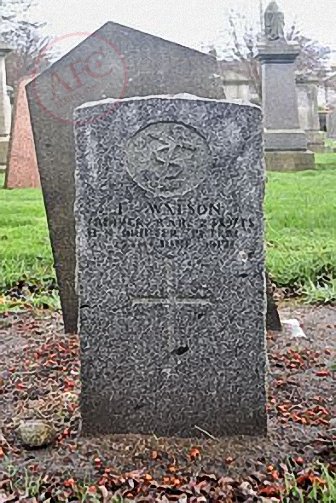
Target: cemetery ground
39, 374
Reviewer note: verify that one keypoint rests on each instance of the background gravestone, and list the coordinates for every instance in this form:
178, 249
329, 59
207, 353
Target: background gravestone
171, 282
307, 92
331, 121
22, 171
115, 61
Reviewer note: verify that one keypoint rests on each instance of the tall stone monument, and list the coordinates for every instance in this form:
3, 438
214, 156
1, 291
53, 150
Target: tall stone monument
170, 264
5, 108
285, 141
307, 90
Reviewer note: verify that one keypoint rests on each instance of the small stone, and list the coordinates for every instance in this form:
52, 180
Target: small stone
36, 433
333, 424
246, 489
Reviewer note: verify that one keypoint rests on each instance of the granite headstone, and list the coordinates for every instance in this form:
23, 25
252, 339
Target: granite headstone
170, 266
115, 61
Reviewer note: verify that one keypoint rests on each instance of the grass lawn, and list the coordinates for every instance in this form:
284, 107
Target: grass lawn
301, 229
300, 221
25, 252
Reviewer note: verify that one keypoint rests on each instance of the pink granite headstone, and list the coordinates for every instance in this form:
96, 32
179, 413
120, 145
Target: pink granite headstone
22, 171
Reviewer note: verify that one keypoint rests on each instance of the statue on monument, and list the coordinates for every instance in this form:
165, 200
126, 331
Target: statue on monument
274, 23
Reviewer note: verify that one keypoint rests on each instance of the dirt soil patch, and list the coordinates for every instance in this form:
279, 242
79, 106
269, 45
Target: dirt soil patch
39, 379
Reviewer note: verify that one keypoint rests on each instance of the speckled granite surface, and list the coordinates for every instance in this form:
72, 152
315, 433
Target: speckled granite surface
170, 278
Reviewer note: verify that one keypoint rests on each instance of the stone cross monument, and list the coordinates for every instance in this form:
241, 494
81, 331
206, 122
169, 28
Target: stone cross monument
285, 142
5, 108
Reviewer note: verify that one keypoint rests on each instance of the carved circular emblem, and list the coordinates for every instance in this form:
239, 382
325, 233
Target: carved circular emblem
168, 158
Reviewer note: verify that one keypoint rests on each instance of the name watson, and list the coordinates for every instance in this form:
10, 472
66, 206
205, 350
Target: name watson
177, 209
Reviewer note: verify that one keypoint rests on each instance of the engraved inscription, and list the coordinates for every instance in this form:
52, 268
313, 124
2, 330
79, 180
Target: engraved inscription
168, 158
173, 225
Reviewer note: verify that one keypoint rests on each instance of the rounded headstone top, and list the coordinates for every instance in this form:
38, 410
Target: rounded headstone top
180, 96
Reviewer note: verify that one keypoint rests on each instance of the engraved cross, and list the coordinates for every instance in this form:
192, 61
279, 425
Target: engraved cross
170, 301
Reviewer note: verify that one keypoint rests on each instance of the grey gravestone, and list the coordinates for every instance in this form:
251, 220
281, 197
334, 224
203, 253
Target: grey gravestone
116, 61
307, 92
331, 121
171, 282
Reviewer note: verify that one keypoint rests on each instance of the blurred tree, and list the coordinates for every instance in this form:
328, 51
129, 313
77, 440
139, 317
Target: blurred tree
31, 49
240, 44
